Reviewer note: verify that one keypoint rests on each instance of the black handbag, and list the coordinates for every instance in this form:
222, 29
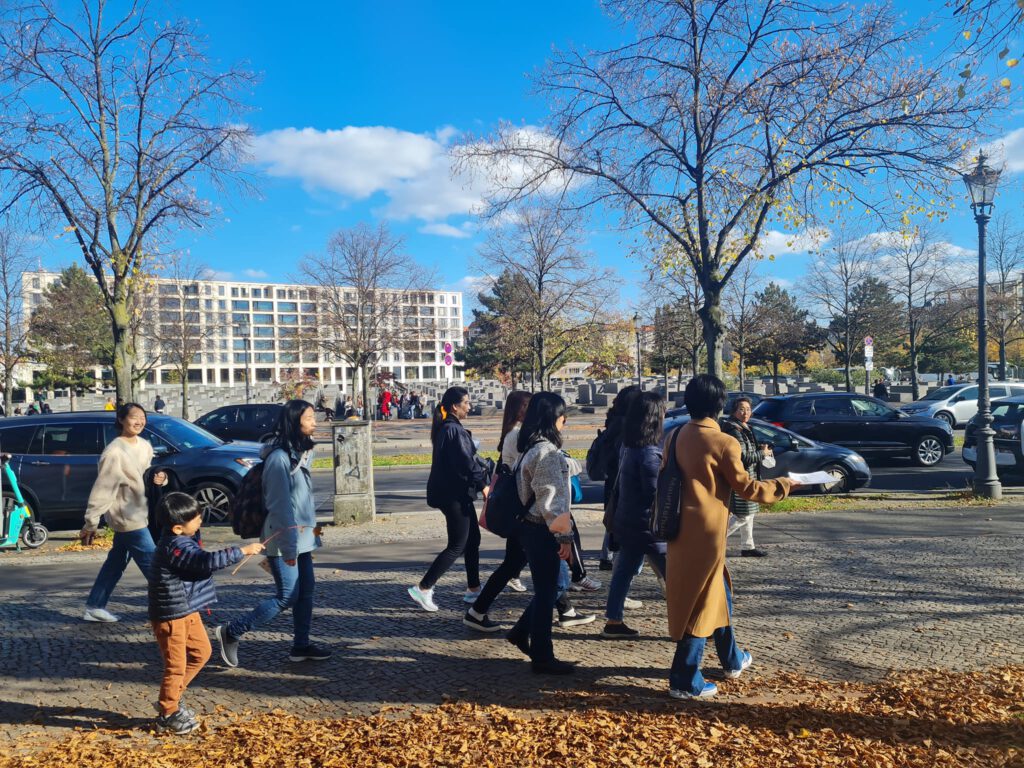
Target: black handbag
666, 519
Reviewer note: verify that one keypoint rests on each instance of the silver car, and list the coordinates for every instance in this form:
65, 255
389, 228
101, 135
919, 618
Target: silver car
958, 403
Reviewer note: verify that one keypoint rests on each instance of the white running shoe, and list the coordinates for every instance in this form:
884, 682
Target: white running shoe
425, 599
101, 615
586, 584
516, 585
632, 604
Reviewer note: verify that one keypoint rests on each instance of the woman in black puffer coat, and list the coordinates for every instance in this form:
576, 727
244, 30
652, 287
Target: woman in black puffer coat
741, 511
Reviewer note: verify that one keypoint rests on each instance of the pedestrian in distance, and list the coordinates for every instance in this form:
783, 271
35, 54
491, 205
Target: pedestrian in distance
639, 462
698, 589
46, 409
109, 405
290, 534
880, 390
546, 530
508, 573
159, 405
119, 497
457, 474
753, 455
180, 586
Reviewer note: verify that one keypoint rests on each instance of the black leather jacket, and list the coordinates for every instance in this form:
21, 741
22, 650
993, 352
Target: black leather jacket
457, 473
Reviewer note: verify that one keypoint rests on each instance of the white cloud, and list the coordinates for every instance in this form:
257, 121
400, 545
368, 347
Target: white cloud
1008, 151
442, 229
256, 274
218, 274
776, 243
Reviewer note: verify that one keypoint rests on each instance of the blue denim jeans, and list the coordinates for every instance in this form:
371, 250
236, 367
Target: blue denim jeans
133, 545
686, 674
627, 564
295, 586
549, 573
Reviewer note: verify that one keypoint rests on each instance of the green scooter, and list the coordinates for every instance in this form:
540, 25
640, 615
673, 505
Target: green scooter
19, 529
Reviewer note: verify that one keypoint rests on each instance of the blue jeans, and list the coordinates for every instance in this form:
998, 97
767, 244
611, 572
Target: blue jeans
133, 545
627, 564
295, 585
548, 573
686, 674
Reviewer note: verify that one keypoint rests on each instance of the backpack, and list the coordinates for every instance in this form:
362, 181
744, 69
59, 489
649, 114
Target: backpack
665, 515
597, 456
503, 509
247, 511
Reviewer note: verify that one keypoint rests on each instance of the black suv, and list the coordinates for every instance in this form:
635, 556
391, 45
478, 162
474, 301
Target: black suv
864, 424
730, 403
1007, 419
253, 421
55, 458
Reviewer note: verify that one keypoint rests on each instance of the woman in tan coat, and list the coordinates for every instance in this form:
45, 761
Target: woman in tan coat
698, 588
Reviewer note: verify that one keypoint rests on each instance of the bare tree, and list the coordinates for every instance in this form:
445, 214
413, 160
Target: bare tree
726, 116
110, 121
15, 262
741, 317
678, 337
177, 331
368, 296
567, 292
1006, 258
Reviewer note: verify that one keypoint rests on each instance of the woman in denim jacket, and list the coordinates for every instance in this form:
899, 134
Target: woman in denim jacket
290, 534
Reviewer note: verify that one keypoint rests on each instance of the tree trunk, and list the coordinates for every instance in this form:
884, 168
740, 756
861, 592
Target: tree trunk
1002, 354
913, 363
184, 393
72, 399
743, 372
124, 355
712, 326
9, 391
775, 376
364, 373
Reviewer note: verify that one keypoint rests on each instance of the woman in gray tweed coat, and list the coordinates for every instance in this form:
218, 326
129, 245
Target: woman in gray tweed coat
741, 511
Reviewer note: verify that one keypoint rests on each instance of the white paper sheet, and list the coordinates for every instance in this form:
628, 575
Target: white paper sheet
812, 478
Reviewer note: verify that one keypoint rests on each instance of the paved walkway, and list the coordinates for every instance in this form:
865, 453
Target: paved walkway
849, 596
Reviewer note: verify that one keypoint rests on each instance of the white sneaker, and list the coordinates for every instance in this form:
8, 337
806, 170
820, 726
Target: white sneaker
632, 604
425, 599
470, 597
101, 615
516, 585
586, 584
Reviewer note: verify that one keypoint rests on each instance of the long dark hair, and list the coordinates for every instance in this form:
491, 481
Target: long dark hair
515, 410
644, 421
539, 421
288, 432
122, 414
616, 417
452, 396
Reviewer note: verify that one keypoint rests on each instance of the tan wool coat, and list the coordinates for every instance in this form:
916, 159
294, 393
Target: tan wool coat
695, 565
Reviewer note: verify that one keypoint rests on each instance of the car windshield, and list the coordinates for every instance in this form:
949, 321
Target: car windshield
184, 435
942, 393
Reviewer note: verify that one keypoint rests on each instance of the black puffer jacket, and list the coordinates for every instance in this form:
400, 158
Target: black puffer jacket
180, 578
457, 473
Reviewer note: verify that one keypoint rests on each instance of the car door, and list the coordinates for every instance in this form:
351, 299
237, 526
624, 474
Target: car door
16, 440
965, 404
221, 422
878, 426
783, 448
62, 460
264, 417
835, 422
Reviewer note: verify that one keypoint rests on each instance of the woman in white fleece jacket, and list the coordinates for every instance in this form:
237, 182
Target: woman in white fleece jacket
119, 496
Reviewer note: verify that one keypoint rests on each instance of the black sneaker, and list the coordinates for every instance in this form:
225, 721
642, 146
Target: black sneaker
480, 625
228, 645
309, 653
179, 723
618, 631
753, 553
604, 565
552, 667
519, 641
575, 619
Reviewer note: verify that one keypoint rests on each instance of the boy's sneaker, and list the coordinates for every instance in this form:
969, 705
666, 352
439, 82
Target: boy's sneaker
101, 615
618, 631
516, 585
575, 619
424, 598
709, 690
632, 604
178, 723
732, 674
228, 646
586, 584
309, 653
181, 708
480, 625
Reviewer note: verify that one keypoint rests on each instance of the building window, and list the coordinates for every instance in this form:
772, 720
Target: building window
281, 293
440, 299
288, 319
263, 319
261, 332
308, 306
257, 293
220, 291
239, 318
234, 293
287, 306
429, 372
309, 319
263, 344
263, 306
265, 357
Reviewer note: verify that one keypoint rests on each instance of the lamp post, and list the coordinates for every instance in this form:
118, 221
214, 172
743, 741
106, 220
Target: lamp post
243, 330
981, 184
639, 368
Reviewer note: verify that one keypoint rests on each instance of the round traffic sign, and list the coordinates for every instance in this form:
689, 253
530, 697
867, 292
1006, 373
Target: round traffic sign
448, 359
868, 341
448, 348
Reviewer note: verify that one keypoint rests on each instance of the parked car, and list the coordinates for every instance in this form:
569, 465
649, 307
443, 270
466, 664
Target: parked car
958, 403
861, 423
729, 404
1007, 415
55, 458
795, 453
253, 421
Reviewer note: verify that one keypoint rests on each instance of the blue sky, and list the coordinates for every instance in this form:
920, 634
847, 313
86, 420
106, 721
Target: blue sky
357, 102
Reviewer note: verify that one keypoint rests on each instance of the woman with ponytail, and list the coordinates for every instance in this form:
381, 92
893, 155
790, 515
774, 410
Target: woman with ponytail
457, 474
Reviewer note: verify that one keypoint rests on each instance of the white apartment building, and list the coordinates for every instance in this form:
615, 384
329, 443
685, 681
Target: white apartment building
264, 328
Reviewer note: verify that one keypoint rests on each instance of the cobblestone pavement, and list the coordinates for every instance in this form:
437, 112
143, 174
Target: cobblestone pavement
852, 609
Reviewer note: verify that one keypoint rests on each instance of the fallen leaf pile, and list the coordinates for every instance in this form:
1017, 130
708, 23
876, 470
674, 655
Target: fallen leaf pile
916, 719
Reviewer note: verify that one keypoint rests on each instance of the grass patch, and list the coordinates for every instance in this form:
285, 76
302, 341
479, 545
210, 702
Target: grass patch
818, 503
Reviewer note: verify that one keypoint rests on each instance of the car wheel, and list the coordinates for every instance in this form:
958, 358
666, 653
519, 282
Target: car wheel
946, 417
215, 502
842, 479
928, 451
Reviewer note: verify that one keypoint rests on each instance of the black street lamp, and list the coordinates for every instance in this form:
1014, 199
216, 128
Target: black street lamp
639, 367
243, 330
981, 183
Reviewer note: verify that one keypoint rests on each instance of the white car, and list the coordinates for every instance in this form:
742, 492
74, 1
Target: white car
958, 403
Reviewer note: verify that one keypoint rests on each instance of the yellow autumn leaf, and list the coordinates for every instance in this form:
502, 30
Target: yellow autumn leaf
1012, 62
1005, 82
967, 34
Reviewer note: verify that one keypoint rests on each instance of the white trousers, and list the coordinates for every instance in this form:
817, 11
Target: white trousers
745, 525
